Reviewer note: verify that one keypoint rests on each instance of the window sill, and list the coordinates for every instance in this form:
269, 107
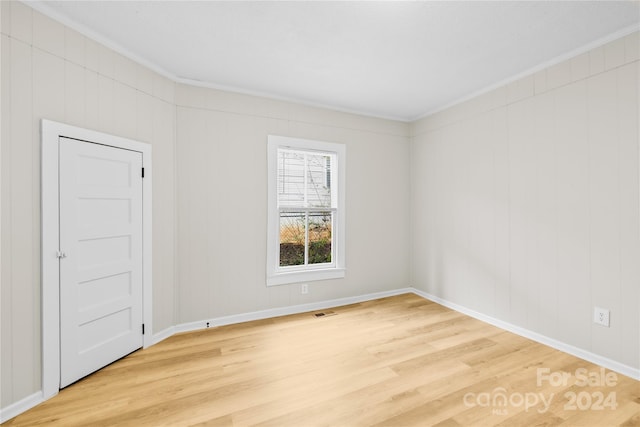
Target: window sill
305, 276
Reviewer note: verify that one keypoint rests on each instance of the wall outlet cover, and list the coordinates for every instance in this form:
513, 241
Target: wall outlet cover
601, 316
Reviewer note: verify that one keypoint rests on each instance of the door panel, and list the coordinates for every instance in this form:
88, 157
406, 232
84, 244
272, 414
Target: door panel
101, 269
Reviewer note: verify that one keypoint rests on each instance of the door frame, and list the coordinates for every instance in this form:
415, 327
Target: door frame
50, 244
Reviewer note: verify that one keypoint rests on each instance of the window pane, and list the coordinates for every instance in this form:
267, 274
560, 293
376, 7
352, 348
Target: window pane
319, 180
320, 230
290, 178
292, 237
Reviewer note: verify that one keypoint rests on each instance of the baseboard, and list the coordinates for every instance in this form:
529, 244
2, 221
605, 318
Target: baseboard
284, 311
163, 335
273, 312
20, 406
543, 339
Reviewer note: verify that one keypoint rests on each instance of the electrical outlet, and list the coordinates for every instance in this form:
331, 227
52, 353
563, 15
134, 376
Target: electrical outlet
304, 288
601, 316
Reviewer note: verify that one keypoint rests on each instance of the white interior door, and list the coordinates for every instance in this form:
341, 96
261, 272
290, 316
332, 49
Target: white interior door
100, 193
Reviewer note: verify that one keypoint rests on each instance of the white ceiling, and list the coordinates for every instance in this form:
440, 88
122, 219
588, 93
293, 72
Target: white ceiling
399, 60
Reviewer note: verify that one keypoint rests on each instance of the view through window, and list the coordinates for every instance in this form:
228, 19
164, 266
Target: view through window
305, 207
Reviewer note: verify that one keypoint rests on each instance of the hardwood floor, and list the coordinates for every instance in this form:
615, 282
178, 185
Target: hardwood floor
398, 361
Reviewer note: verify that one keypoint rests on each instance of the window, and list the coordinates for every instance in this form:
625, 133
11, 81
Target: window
306, 210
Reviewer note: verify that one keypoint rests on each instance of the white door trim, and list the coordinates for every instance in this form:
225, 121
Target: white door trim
50, 132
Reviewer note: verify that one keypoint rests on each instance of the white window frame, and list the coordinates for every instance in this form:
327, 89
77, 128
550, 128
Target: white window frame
277, 275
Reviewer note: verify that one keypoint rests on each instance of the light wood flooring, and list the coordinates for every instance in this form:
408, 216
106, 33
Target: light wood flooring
399, 361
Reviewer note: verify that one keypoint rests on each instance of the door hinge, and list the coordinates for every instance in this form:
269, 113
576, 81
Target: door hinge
143, 172
143, 329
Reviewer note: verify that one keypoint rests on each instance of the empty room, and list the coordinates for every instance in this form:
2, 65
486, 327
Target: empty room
320, 213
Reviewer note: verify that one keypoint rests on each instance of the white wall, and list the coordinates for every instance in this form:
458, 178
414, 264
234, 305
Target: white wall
521, 204
222, 199
50, 71
525, 202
